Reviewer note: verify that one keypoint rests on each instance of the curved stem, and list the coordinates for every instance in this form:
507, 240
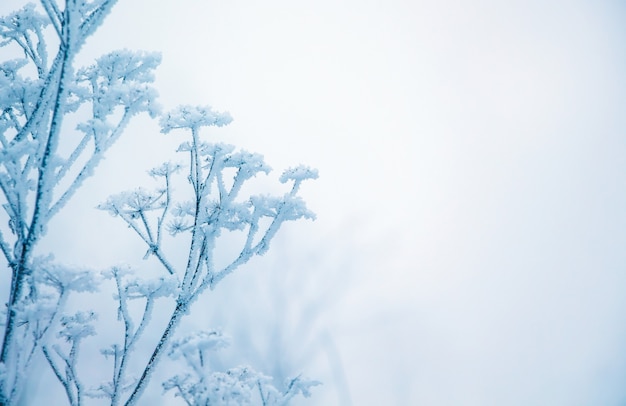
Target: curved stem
179, 311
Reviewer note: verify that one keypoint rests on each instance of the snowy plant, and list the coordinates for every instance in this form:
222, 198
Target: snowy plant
56, 123
215, 207
42, 161
236, 386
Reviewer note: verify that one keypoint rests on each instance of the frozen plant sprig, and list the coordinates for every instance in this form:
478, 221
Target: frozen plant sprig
130, 288
53, 284
199, 385
216, 175
64, 363
43, 162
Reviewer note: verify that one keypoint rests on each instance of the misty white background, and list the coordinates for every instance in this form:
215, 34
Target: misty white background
471, 232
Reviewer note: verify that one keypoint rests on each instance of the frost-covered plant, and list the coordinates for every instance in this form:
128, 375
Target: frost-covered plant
44, 161
215, 207
236, 386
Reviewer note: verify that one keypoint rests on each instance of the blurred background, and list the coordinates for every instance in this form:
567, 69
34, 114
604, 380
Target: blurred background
469, 245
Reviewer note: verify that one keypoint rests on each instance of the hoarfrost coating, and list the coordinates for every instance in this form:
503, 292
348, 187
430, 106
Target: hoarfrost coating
56, 124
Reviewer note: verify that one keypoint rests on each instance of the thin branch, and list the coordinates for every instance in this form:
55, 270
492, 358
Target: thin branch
144, 220
95, 18
263, 400
54, 14
195, 164
57, 372
72, 370
168, 198
87, 169
128, 327
39, 334
25, 47
73, 157
69, 375
179, 311
147, 312
197, 274
220, 187
44, 98
37, 60
247, 253
132, 225
166, 264
183, 395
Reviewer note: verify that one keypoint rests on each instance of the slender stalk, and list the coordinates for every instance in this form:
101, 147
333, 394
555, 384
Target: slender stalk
21, 271
177, 314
